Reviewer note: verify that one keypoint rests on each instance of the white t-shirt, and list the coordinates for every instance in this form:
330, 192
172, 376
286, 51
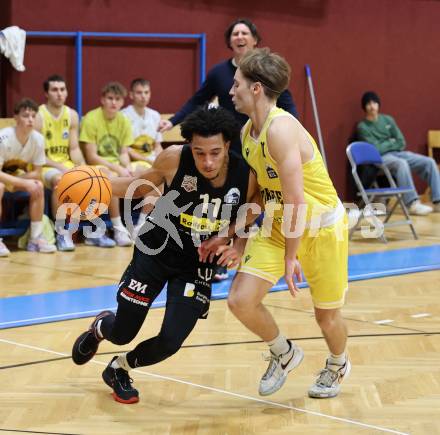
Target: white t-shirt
144, 128
13, 155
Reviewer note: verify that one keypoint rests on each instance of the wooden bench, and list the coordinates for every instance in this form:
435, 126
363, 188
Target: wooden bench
172, 136
7, 122
433, 142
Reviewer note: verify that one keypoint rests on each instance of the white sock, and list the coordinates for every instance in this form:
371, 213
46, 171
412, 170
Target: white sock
335, 362
279, 345
98, 329
121, 363
117, 223
142, 218
36, 229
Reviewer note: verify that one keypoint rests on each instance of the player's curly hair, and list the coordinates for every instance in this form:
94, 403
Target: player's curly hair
208, 121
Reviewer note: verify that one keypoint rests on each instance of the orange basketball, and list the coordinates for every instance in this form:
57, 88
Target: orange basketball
87, 187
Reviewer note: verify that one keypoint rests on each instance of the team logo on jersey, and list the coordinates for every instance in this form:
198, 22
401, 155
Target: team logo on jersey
232, 197
65, 134
262, 149
271, 172
247, 258
247, 151
189, 290
48, 135
189, 183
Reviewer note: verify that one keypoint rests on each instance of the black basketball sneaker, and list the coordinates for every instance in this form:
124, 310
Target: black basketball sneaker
86, 345
119, 380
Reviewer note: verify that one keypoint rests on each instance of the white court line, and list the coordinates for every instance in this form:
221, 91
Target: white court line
417, 316
383, 322
225, 392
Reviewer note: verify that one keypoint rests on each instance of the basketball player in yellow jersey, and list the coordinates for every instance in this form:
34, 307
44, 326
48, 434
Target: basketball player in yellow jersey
309, 225
59, 125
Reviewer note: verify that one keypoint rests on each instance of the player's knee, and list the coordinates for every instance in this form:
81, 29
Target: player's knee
237, 302
326, 319
38, 192
402, 165
121, 339
55, 180
432, 164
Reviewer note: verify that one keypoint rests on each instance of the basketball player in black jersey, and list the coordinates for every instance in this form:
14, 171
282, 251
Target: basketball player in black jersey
201, 179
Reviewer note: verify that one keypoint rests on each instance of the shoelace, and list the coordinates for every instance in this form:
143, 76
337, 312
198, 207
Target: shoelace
272, 365
326, 377
123, 377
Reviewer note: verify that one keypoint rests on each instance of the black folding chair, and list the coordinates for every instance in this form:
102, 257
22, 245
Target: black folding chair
364, 153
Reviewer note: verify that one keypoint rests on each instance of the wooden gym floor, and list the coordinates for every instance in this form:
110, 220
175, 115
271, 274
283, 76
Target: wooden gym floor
210, 386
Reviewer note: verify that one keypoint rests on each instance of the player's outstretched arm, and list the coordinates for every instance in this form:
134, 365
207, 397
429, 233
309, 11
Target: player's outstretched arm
163, 170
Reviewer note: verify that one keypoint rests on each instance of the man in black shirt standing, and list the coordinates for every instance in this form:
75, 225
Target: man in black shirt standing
205, 185
241, 36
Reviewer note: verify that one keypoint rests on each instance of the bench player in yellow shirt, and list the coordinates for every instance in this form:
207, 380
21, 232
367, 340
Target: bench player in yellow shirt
305, 227
106, 135
58, 124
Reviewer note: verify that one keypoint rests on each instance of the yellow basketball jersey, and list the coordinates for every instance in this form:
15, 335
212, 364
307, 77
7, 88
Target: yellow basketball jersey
319, 192
56, 134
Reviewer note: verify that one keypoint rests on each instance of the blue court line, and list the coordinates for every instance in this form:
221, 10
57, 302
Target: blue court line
87, 302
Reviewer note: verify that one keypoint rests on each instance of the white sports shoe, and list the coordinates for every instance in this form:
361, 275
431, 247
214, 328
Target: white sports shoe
4, 251
328, 382
40, 245
122, 237
419, 209
279, 368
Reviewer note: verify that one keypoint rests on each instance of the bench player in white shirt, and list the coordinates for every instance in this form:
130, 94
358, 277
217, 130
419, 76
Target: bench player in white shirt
21, 160
147, 140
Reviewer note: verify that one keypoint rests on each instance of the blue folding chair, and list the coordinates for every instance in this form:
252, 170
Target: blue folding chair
364, 153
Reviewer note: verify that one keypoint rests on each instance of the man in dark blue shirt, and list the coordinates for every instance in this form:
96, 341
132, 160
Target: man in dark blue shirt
241, 36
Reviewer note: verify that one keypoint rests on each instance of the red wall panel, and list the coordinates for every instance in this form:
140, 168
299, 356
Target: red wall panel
390, 46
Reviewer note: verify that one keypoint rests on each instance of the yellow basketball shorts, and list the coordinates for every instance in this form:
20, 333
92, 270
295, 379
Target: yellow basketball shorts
49, 172
323, 257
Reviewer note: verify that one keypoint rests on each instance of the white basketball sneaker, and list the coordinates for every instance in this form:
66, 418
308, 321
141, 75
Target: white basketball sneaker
328, 383
278, 369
